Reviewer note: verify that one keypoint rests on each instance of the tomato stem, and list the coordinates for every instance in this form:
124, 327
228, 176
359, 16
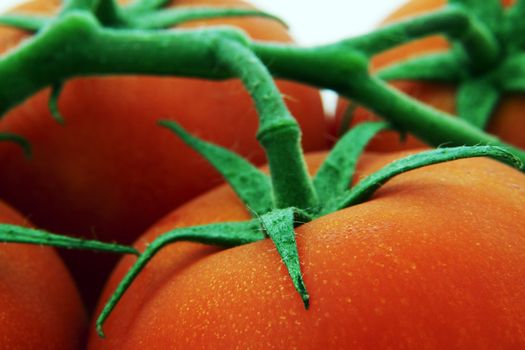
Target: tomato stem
433, 126
454, 21
278, 133
44, 61
326, 66
443, 67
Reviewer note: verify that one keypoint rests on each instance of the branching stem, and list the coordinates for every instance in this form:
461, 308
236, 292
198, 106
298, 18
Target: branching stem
351, 79
56, 54
453, 21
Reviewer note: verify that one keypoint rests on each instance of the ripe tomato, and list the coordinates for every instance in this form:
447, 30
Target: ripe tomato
40, 307
110, 171
506, 122
434, 260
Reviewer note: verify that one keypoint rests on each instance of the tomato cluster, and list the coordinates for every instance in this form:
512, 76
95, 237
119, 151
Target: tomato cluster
435, 259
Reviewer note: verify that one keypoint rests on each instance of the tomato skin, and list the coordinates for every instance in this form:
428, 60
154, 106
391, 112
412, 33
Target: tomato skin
111, 171
40, 307
507, 121
434, 260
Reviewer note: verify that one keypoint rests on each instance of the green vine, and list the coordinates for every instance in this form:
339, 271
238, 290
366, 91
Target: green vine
342, 66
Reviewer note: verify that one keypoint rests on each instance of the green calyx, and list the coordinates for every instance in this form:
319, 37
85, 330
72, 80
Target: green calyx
485, 61
252, 186
18, 234
331, 185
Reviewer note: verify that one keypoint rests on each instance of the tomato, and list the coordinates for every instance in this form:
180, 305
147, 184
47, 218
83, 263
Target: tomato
434, 260
506, 121
110, 171
40, 307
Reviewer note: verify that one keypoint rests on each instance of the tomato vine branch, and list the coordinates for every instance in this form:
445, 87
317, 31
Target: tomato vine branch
342, 66
440, 67
322, 68
453, 21
279, 134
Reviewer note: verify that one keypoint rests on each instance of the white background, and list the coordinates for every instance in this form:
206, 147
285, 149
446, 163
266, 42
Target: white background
313, 21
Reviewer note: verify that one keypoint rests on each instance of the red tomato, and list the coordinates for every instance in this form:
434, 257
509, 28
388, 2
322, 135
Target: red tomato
40, 307
507, 121
435, 260
110, 172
